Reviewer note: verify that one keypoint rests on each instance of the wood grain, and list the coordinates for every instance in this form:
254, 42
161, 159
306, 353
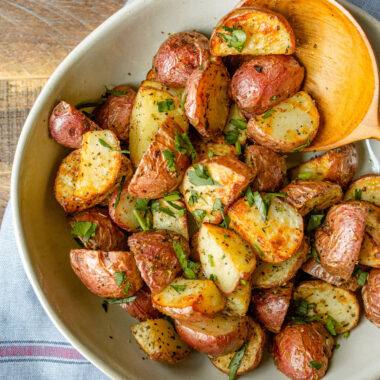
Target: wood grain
35, 36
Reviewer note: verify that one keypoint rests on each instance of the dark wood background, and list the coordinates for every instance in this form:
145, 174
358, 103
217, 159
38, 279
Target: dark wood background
35, 36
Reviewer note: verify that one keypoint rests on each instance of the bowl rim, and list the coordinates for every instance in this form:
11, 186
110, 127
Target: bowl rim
59, 73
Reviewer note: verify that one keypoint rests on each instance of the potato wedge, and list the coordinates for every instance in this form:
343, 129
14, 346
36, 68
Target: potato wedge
289, 126
365, 188
373, 222
308, 195
163, 221
278, 237
156, 258
206, 98
371, 297
161, 168
268, 275
265, 32
236, 115
200, 191
215, 336
215, 147
226, 256
107, 274
146, 117
190, 300
336, 165
252, 357
340, 304
369, 253
237, 303
158, 339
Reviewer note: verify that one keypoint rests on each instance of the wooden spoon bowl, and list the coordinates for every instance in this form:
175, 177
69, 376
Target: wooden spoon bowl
341, 69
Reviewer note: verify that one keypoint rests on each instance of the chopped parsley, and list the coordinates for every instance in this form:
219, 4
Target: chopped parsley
297, 148
184, 101
199, 215
85, 230
211, 260
193, 198
116, 93
305, 175
106, 145
315, 220
201, 177
235, 362
241, 124
274, 97
174, 196
331, 324
157, 208
258, 250
120, 278
119, 191
178, 288
127, 287
315, 255
315, 365
187, 265
142, 204
213, 277
249, 196
170, 161
210, 154
236, 39
261, 205
183, 145
362, 277
268, 114
243, 282
89, 104
218, 206
120, 300
358, 194
166, 105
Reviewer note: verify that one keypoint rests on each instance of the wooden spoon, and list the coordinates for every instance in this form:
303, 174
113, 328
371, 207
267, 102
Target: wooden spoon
341, 69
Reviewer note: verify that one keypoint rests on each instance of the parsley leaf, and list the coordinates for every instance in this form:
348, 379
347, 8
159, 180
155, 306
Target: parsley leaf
231, 137
169, 157
261, 205
184, 101
243, 282
305, 175
174, 196
362, 278
120, 300
187, 265
241, 124
119, 191
201, 177
86, 230
258, 250
142, 220
315, 220
120, 278
297, 148
199, 215
106, 145
211, 260
219, 206
166, 105
358, 194
235, 362
142, 204
249, 196
89, 104
274, 97
331, 323
193, 198
157, 208
127, 287
178, 288
116, 93
315, 255
268, 114
315, 365
213, 277
236, 39
183, 145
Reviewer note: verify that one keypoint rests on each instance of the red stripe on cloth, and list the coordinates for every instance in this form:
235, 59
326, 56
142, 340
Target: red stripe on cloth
43, 351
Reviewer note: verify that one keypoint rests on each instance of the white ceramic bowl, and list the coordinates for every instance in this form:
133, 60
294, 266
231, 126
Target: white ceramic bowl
120, 51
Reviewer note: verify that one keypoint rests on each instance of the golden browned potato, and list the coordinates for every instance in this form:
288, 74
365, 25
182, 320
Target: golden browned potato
253, 353
270, 167
336, 165
308, 195
262, 32
158, 339
237, 303
107, 274
268, 275
215, 147
190, 300
366, 188
339, 239
156, 258
236, 122
330, 302
115, 113
370, 252
206, 99
217, 178
215, 336
373, 222
288, 126
371, 297
106, 237
274, 235
225, 256
161, 168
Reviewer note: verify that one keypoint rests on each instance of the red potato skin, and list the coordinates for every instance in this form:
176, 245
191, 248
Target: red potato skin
233, 62
270, 168
108, 237
271, 305
67, 125
338, 241
261, 78
214, 345
296, 346
179, 56
141, 308
156, 258
371, 297
115, 112
96, 270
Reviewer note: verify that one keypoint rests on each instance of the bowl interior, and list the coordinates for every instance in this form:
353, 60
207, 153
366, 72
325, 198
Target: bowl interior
120, 51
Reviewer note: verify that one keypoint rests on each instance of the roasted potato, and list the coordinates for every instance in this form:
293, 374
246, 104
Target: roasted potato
288, 126
67, 125
107, 274
158, 339
225, 256
161, 168
330, 301
275, 239
302, 352
141, 308
339, 239
370, 252
336, 165
373, 222
206, 100
220, 178
179, 56
271, 305
269, 166
263, 32
316, 270
237, 303
371, 297
215, 147
153, 105
115, 113
233, 62
268, 275
107, 236
366, 188
308, 195
215, 336
156, 258
236, 116
263, 82
190, 300
170, 216
252, 357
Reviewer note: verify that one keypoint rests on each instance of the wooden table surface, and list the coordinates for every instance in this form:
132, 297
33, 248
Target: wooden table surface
35, 36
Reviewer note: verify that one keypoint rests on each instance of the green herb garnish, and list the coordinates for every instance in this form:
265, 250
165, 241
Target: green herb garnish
274, 97
268, 114
178, 288
120, 278
106, 145
199, 215
142, 204
362, 278
193, 198
186, 264
170, 161
116, 93
210, 154
346, 334
119, 191
120, 300
143, 222
235, 361
157, 208
315, 255
243, 282
127, 287
315, 221
261, 205
184, 101
305, 175
236, 39
211, 260
89, 104
297, 148
358, 194
213, 277
174, 196
201, 177
315, 365
183, 145
241, 124
258, 250
166, 105
232, 136
331, 323
249, 196
85, 230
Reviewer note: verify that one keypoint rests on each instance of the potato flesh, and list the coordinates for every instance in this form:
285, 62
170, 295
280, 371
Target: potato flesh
237, 303
369, 186
224, 254
124, 212
370, 253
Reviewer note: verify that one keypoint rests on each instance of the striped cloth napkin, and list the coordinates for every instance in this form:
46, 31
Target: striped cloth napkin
31, 348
